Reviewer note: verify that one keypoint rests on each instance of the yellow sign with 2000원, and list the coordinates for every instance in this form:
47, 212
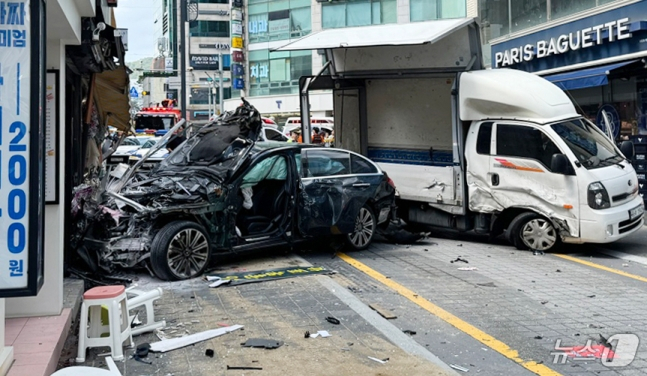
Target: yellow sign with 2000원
237, 42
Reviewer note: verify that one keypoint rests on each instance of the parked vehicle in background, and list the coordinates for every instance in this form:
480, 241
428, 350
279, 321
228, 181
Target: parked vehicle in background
128, 146
295, 122
494, 151
153, 119
153, 159
272, 134
221, 192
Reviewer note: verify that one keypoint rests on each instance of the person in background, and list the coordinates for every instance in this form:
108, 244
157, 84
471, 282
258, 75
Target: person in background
317, 136
295, 136
330, 139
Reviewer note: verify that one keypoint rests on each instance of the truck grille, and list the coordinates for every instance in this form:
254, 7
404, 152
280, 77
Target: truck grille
629, 225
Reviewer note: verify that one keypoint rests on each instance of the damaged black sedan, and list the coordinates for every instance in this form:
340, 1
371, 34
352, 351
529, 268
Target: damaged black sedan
221, 191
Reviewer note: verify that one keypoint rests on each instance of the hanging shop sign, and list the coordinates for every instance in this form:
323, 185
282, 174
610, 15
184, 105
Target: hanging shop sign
22, 107
237, 42
239, 83
236, 15
237, 56
236, 28
204, 62
237, 70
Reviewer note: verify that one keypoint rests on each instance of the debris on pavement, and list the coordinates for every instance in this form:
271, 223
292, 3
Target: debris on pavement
245, 368
235, 279
142, 352
539, 337
264, 343
468, 269
354, 289
176, 343
457, 367
209, 352
590, 296
307, 334
544, 301
488, 284
322, 333
332, 320
459, 259
384, 312
382, 361
409, 332
536, 252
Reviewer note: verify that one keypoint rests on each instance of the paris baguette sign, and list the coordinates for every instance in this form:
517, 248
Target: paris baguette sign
573, 41
22, 104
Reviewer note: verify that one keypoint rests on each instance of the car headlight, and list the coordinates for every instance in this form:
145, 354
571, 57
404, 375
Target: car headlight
134, 157
597, 196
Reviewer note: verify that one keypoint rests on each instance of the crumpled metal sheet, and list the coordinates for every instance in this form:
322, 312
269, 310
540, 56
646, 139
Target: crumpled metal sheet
526, 193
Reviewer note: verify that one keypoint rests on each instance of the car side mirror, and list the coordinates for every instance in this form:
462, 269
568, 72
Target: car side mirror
559, 164
627, 149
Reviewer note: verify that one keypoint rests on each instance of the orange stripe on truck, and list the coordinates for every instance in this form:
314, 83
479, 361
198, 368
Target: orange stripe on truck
507, 164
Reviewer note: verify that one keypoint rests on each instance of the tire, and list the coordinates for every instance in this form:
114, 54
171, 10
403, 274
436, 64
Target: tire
364, 232
173, 259
531, 231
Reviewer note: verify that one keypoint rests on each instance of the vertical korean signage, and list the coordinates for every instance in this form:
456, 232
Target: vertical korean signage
237, 44
22, 105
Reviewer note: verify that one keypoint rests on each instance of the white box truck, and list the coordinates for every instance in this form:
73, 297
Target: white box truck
494, 151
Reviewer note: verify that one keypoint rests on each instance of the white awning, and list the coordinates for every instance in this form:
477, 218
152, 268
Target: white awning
379, 35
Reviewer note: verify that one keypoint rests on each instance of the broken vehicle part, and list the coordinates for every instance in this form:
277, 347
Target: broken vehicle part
245, 368
264, 343
332, 320
176, 343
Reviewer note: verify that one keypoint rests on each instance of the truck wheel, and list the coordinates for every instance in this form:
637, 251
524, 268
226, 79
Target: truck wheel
364, 230
532, 231
180, 250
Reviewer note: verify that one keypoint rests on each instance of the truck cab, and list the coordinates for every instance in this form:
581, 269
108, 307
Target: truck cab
494, 151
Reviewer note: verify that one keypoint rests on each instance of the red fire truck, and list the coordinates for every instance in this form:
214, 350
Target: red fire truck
154, 119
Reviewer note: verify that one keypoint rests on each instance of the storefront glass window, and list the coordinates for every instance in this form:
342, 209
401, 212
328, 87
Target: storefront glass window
213, 1
210, 29
562, 8
426, 10
528, 13
277, 72
359, 13
278, 20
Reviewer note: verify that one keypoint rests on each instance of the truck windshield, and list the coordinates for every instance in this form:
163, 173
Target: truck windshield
592, 148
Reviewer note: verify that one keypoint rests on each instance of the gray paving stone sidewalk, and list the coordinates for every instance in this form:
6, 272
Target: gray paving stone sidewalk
536, 299
279, 309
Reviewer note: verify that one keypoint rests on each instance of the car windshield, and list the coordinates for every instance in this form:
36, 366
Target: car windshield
150, 143
592, 148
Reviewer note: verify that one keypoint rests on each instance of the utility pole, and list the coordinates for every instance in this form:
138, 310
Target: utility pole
221, 89
183, 18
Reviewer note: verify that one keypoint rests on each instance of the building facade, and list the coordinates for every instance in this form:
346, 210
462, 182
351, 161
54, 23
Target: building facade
593, 49
272, 78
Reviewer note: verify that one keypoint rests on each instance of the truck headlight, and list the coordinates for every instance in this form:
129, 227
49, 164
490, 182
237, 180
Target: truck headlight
597, 196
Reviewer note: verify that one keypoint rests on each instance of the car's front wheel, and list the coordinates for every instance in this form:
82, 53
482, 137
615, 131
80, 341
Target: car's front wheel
180, 250
364, 229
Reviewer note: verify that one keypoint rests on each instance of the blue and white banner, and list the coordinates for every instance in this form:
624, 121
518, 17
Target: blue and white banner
15, 120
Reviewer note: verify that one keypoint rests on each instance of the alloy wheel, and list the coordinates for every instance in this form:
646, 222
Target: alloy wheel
188, 253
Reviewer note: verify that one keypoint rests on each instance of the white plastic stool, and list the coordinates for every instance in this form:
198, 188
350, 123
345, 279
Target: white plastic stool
145, 298
118, 328
90, 371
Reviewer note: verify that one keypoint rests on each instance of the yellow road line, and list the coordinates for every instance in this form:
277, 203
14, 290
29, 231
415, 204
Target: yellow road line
602, 267
461, 325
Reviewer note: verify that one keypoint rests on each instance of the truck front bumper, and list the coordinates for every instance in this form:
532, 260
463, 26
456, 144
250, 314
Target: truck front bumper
608, 225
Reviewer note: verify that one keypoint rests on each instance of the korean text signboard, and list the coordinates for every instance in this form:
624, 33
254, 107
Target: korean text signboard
22, 104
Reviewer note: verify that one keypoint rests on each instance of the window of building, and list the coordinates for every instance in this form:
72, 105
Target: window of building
213, 1
277, 72
426, 10
200, 95
278, 20
209, 29
359, 13
563, 8
528, 13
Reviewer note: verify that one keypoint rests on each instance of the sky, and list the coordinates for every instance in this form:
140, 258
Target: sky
138, 16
